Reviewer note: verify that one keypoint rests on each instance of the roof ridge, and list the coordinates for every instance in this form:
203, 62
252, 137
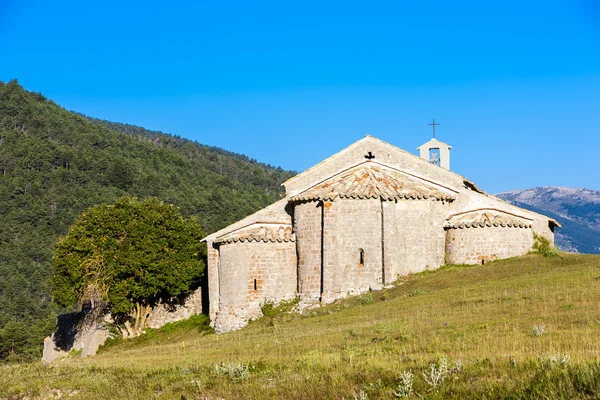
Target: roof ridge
368, 181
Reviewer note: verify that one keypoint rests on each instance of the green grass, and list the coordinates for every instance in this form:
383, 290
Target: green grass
480, 319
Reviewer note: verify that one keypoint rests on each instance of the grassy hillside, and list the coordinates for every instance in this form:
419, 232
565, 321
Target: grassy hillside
519, 328
54, 164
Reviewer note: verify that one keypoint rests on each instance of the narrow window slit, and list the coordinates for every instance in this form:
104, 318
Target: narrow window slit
361, 257
255, 284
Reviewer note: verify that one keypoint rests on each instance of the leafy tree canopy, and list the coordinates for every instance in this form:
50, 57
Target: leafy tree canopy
133, 253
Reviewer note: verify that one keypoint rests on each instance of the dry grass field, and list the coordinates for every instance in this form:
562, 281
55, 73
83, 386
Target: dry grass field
527, 327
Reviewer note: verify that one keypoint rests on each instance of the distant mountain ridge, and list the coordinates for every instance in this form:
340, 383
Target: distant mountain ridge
578, 211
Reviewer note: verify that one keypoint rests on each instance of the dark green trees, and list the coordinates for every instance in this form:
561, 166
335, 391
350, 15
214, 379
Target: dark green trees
131, 253
54, 164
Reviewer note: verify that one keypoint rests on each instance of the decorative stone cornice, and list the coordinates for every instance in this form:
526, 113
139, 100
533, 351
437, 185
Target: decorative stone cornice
487, 218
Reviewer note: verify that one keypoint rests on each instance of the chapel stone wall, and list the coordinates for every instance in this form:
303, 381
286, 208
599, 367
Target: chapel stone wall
478, 245
252, 273
307, 227
213, 279
541, 227
414, 236
351, 227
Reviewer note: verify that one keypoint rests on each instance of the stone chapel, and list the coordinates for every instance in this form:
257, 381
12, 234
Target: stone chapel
354, 223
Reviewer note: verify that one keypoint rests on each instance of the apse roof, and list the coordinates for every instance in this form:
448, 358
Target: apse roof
371, 180
260, 232
487, 218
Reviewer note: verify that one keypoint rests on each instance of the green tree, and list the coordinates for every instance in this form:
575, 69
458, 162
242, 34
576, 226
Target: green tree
131, 253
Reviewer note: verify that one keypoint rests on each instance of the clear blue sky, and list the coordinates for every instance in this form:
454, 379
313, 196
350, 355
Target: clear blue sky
514, 84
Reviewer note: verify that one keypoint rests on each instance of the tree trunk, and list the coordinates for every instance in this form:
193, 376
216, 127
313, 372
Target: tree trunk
140, 315
129, 331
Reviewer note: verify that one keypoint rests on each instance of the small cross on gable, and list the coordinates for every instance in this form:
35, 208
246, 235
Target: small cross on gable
369, 156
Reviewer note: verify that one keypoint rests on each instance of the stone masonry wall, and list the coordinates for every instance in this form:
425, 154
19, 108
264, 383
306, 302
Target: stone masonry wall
164, 313
542, 228
307, 227
351, 225
213, 279
477, 245
414, 236
269, 266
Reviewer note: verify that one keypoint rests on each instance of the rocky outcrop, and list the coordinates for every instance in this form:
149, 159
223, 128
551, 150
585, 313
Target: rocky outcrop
84, 330
87, 329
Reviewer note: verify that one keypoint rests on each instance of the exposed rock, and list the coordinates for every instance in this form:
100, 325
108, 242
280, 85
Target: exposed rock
86, 330
51, 352
163, 313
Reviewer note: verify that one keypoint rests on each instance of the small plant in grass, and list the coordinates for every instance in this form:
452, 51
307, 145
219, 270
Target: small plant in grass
368, 299
538, 330
405, 387
234, 371
374, 387
269, 309
551, 360
416, 292
542, 246
457, 366
437, 372
362, 395
75, 353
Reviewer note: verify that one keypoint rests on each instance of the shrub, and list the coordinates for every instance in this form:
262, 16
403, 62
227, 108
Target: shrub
542, 246
538, 330
368, 299
405, 386
234, 371
437, 372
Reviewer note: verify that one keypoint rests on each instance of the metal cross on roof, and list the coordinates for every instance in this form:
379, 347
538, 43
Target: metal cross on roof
433, 124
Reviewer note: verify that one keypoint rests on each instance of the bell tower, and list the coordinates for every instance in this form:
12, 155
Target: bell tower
436, 152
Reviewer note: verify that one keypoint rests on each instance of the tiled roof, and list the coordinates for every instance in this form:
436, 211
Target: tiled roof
259, 233
487, 218
371, 182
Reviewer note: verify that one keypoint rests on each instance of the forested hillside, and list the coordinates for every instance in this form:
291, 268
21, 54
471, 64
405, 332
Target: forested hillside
54, 164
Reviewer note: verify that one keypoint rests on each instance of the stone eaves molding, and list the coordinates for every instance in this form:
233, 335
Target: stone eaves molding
266, 232
372, 181
487, 218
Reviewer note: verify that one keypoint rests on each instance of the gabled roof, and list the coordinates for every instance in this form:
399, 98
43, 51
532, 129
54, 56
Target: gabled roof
275, 214
259, 232
372, 180
487, 218
376, 150
434, 143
